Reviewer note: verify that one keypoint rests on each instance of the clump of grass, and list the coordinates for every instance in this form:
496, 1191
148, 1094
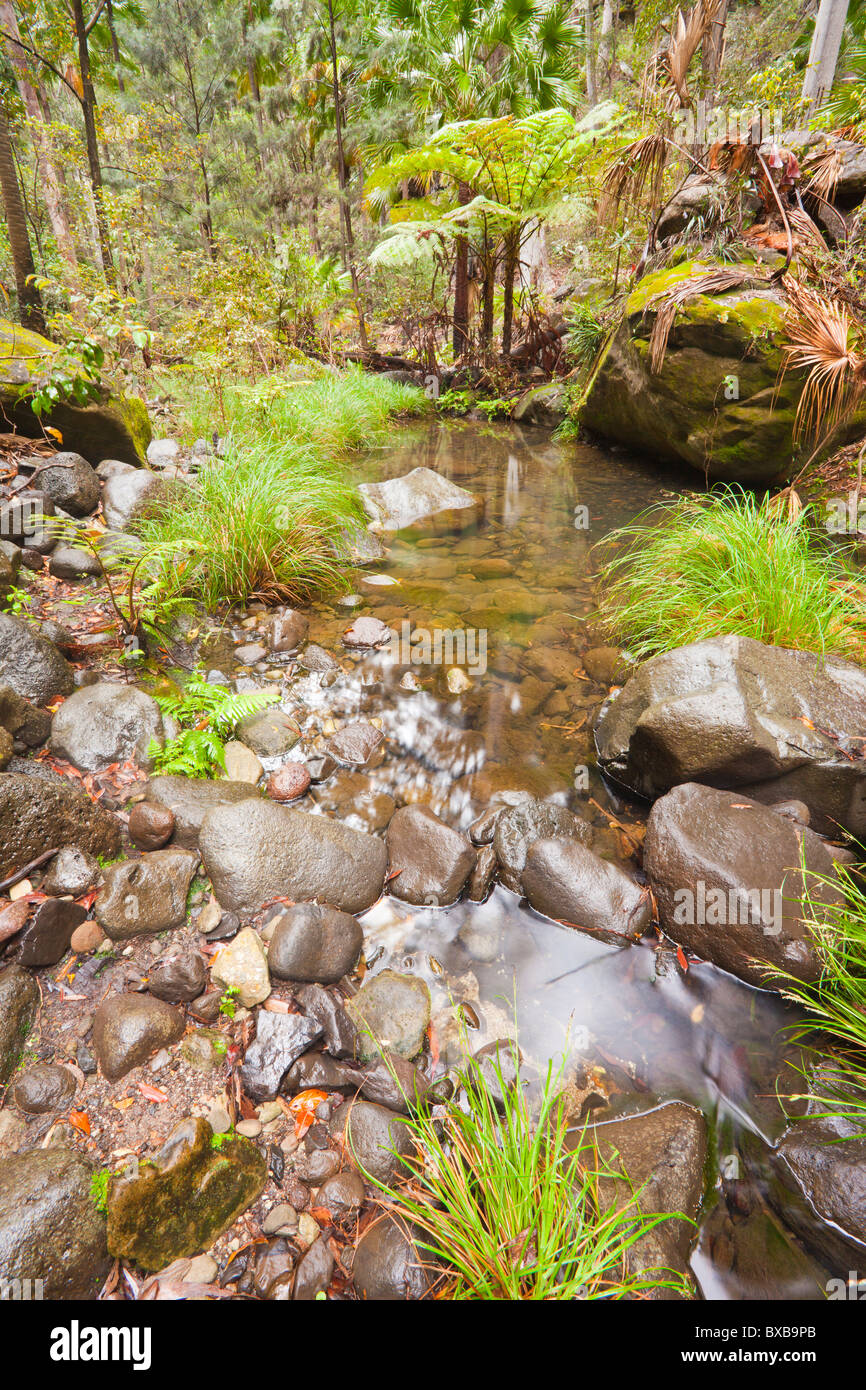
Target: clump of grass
730, 563
509, 1209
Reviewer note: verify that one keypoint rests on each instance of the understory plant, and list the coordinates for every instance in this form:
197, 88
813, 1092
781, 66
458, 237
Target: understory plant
834, 1026
730, 563
506, 1201
207, 715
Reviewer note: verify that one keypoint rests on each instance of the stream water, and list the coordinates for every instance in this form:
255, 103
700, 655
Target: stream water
631, 1025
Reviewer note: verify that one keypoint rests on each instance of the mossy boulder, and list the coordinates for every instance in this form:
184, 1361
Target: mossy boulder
114, 426
19, 1004
721, 402
179, 1204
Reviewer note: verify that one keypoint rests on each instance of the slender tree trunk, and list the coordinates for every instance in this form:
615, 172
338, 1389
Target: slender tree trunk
115, 46
512, 251
712, 51
460, 321
589, 36
824, 53
49, 177
605, 45
348, 244
29, 298
88, 104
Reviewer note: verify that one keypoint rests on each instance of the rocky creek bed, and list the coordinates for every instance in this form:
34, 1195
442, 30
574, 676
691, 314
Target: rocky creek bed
414, 857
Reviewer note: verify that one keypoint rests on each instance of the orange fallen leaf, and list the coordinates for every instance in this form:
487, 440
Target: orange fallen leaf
322, 1215
681, 957
80, 1121
152, 1092
303, 1109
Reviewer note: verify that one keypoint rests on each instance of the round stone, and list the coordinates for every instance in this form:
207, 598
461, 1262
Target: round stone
150, 826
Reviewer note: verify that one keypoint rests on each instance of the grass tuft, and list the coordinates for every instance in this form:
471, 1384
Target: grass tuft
730, 563
508, 1208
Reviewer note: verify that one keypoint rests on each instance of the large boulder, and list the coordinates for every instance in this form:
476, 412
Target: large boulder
113, 426
50, 1229
729, 877
38, 814
720, 402
731, 712
19, 1003
71, 483
128, 497
655, 1161
429, 861
145, 895
190, 798
31, 665
565, 880
104, 724
257, 851
518, 827
178, 1204
421, 500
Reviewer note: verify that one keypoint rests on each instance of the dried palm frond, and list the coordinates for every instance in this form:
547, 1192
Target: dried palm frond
808, 232
825, 169
819, 341
689, 30
668, 302
635, 175
731, 157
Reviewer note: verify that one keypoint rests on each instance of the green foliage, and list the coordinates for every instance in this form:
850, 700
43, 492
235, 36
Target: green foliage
511, 1207
728, 562
218, 1140
229, 1001
207, 714
99, 1189
585, 335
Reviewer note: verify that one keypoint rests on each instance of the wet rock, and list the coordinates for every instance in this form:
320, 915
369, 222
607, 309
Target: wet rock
287, 630
270, 733
315, 658
162, 453
605, 665
568, 882
49, 1226
354, 745
433, 860
314, 944
24, 721
145, 895
258, 851
129, 1028
483, 875
341, 1037
343, 1195
662, 1154
318, 1071
43, 1088
732, 712
104, 724
314, 1272
127, 497
280, 1040
289, 782
24, 521
30, 665
242, 765
820, 1188
421, 500
87, 938
243, 966
374, 1137
19, 1004
367, 632
273, 1265
518, 827
38, 814
178, 977
73, 871
250, 652
753, 1258
74, 562
178, 1206
388, 1265
394, 1083
46, 940
392, 1014
190, 798
150, 826
726, 874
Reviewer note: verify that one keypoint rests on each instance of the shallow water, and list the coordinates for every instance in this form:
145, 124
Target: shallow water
630, 1025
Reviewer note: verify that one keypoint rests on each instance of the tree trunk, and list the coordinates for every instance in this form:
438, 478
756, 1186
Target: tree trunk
115, 46
589, 37
29, 298
49, 177
460, 321
824, 53
88, 105
712, 51
511, 254
605, 45
348, 244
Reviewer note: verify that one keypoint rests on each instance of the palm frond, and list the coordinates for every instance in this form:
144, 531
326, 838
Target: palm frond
668, 302
819, 342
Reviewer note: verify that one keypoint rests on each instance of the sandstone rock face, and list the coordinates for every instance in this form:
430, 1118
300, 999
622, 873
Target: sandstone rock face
49, 1226
257, 851
421, 500
717, 404
726, 874
731, 712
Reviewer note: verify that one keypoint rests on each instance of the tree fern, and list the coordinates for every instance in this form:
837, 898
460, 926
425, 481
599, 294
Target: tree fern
208, 715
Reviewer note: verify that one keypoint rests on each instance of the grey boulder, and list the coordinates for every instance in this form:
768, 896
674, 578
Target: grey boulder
517, 827
71, 483
429, 862
50, 1229
104, 724
38, 814
421, 500
30, 664
145, 895
129, 1028
566, 881
314, 944
190, 798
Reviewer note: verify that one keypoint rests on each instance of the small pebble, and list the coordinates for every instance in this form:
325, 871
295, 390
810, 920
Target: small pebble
308, 1229
280, 1219
250, 1129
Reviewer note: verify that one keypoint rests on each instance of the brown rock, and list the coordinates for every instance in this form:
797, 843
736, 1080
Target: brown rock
150, 826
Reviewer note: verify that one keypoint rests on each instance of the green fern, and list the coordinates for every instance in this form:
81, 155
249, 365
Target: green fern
208, 715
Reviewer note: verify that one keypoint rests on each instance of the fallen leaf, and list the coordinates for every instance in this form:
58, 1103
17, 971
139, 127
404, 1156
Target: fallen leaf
152, 1092
80, 1121
681, 957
